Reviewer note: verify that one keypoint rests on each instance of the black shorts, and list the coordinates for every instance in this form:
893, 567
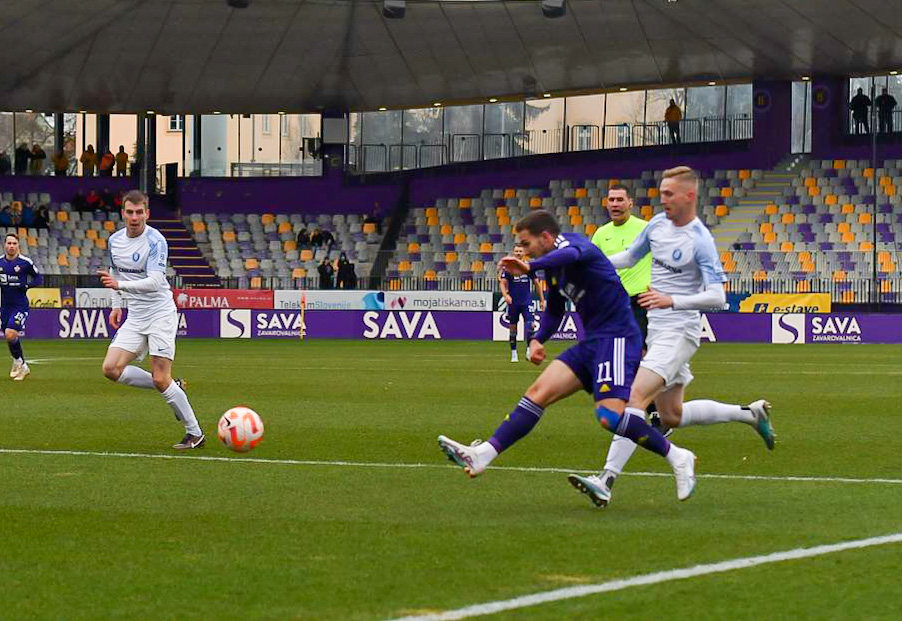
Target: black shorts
641, 316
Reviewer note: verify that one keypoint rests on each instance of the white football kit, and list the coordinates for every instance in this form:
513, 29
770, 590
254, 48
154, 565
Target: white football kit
684, 263
152, 319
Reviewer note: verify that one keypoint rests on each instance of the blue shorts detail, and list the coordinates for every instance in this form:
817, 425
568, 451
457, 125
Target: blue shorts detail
13, 318
606, 366
514, 312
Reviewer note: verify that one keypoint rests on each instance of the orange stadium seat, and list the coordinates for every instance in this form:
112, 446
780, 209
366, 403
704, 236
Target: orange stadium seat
510, 193
771, 209
290, 244
445, 230
721, 210
450, 257
460, 238
788, 218
267, 218
306, 255
831, 199
464, 203
251, 264
285, 227
298, 272
431, 212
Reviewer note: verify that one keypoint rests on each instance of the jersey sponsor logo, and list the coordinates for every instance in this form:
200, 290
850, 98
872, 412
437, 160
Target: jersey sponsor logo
669, 268
82, 324
400, 325
788, 329
126, 270
235, 323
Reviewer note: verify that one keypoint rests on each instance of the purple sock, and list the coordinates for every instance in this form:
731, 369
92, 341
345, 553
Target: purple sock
517, 424
633, 426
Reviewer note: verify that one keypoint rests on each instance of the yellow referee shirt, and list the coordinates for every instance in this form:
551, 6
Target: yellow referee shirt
612, 239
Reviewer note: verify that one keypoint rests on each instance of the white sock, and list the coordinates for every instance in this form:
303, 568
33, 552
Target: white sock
178, 401
707, 412
486, 452
618, 454
136, 376
674, 454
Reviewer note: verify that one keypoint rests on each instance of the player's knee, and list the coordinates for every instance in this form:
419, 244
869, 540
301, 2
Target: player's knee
161, 381
538, 394
11, 335
112, 370
609, 419
672, 417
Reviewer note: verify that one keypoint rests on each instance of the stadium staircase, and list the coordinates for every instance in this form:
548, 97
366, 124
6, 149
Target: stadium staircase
184, 255
769, 189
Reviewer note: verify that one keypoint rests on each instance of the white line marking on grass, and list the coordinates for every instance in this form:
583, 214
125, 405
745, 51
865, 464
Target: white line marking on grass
368, 464
658, 577
64, 359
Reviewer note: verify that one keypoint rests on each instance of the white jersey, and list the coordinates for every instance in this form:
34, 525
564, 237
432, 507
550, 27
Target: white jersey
684, 262
133, 258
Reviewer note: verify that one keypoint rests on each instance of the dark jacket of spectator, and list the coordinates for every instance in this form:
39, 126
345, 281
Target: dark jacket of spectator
79, 202
859, 105
28, 215
6, 166
38, 158
106, 164
6, 218
22, 155
93, 201
328, 239
42, 217
88, 161
303, 239
316, 238
346, 279
326, 272
107, 201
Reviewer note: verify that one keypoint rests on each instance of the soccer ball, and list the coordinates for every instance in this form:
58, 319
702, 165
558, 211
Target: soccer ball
240, 429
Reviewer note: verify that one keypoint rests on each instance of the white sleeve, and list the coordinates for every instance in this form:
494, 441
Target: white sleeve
115, 296
637, 250
708, 262
713, 297
155, 281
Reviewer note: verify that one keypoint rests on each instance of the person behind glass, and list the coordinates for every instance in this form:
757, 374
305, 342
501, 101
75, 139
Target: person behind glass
326, 272
121, 162
859, 106
672, 116
106, 164
60, 164
21, 157
6, 166
885, 103
88, 161
38, 157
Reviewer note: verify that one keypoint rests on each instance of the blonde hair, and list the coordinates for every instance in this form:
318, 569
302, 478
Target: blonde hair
682, 173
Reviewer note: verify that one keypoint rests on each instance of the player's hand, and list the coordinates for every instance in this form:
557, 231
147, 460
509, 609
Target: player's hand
116, 318
513, 265
108, 281
536, 352
541, 306
508, 299
655, 299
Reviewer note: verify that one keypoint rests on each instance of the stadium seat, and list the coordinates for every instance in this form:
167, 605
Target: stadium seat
298, 272
289, 245
251, 264
267, 218
369, 227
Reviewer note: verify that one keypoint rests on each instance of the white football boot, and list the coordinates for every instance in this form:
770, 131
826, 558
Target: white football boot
473, 459
683, 465
24, 371
14, 371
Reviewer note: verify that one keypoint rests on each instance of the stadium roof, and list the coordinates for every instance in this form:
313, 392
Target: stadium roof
197, 56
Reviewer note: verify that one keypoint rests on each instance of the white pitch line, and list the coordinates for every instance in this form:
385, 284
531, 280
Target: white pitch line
369, 464
658, 577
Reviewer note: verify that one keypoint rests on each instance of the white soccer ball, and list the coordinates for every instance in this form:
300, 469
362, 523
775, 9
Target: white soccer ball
240, 429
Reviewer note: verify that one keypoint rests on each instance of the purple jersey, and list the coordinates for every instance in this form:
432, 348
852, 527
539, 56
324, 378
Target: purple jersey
520, 288
16, 277
578, 271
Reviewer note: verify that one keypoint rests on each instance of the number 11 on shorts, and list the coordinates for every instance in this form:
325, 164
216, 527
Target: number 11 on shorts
604, 372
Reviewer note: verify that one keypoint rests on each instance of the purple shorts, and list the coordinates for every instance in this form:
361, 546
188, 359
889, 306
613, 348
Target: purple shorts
606, 366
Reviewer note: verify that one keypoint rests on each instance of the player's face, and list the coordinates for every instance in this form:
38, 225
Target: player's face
535, 245
12, 247
135, 217
518, 252
619, 206
678, 198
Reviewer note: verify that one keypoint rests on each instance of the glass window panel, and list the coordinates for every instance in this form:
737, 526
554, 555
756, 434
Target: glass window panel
544, 126
70, 141
463, 132
7, 140
503, 126
865, 85
624, 110
739, 111
705, 105
35, 129
801, 117
657, 101
214, 134
380, 130
169, 145
423, 144
585, 118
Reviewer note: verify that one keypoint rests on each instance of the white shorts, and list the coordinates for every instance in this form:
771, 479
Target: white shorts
668, 355
154, 335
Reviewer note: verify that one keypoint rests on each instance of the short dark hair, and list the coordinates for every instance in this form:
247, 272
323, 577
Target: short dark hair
12, 235
537, 222
620, 186
136, 197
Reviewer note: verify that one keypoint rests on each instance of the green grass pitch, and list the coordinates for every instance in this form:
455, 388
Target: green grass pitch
116, 537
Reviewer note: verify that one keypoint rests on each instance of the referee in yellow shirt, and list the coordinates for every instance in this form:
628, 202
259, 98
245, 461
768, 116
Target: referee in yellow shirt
616, 236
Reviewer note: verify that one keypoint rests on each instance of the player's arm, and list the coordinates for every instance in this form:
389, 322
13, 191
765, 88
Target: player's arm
632, 255
713, 277
35, 278
552, 317
563, 255
505, 288
540, 291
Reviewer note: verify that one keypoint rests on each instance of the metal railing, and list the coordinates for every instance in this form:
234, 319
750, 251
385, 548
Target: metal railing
890, 124
306, 168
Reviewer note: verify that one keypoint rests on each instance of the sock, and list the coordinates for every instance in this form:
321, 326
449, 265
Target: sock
136, 376
650, 409
633, 426
707, 412
15, 350
178, 401
516, 425
619, 453
513, 340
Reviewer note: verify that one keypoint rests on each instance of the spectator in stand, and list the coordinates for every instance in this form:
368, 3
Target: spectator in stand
93, 201
672, 116
15, 213
38, 159
121, 162
859, 106
88, 161
117, 201
60, 164
28, 215
328, 240
107, 202
326, 272
316, 238
303, 239
42, 217
6, 166
6, 216
375, 218
885, 104
346, 278
22, 155
80, 203
106, 164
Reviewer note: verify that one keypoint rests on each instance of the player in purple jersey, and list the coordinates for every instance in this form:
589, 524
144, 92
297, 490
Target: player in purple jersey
604, 363
517, 292
17, 274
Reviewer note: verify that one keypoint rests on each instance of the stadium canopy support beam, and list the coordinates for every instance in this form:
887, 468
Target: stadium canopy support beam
103, 134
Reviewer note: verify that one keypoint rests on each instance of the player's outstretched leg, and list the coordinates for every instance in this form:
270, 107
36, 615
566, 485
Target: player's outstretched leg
707, 412
513, 342
172, 392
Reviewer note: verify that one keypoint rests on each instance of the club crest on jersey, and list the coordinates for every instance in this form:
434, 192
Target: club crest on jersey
16, 268
677, 254
136, 256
